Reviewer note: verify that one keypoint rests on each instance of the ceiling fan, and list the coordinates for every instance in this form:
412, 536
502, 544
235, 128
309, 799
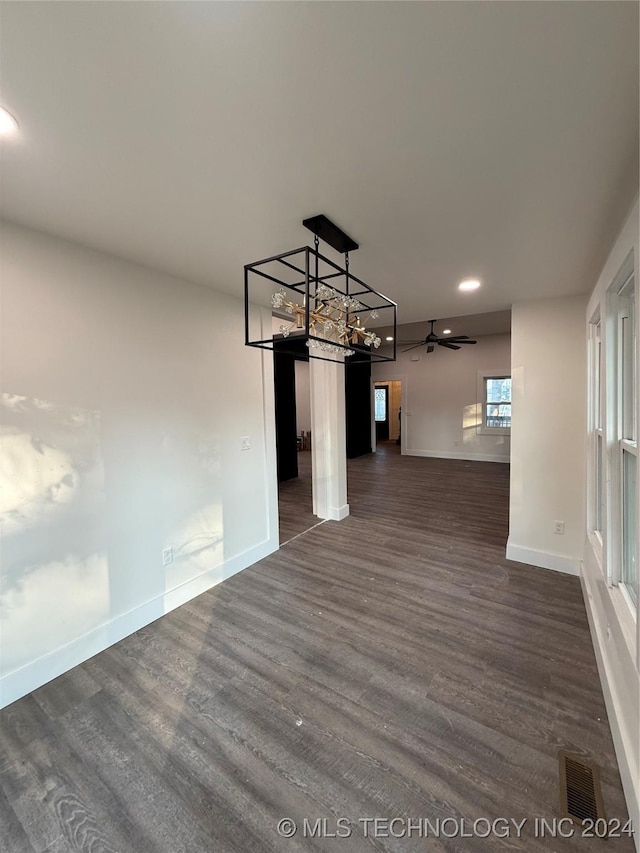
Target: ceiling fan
432, 340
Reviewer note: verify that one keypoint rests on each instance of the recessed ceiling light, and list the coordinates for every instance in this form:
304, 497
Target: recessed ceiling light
469, 284
7, 123
388, 339
446, 331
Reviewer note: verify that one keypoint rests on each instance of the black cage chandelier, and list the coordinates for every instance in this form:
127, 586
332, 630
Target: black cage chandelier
318, 309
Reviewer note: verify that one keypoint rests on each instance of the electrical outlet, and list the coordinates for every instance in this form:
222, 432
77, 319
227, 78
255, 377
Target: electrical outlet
245, 442
559, 527
167, 556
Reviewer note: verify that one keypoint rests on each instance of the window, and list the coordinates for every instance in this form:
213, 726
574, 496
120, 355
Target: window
496, 414
627, 450
613, 500
380, 404
629, 526
599, 490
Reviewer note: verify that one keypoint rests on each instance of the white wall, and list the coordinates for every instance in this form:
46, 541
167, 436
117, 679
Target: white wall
125, 395
614, 628
303, 397
548, 369
441, 411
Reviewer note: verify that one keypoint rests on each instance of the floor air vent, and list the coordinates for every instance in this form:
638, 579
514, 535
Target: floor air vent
580, 792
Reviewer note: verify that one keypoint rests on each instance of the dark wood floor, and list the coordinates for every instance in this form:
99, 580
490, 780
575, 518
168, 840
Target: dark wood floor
391, 665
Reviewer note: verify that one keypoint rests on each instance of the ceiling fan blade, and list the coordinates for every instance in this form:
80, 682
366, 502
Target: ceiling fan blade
414, 347
467, 342
455, 338
431, 348
448, 345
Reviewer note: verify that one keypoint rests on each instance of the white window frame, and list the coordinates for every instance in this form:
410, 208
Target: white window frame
481, 394
597, 481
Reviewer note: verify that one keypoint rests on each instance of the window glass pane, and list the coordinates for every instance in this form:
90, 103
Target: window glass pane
498, 390
597, 373
599, 498
629, 526
498, 415
381, 404
627, 331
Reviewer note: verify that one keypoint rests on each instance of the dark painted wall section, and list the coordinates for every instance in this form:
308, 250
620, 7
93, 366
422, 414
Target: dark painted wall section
357, 383
285, 397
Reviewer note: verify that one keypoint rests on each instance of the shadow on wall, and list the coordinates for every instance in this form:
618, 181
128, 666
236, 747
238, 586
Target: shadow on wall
192, 504
86, 508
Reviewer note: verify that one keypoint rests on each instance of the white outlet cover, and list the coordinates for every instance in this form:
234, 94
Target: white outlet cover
245, 442
167, 556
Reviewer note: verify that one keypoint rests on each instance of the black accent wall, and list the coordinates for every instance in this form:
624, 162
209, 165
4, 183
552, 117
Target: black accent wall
285, 397
357, 382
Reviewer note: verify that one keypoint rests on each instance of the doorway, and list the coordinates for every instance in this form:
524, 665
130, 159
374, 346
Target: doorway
297, 499
388, 410
293, 444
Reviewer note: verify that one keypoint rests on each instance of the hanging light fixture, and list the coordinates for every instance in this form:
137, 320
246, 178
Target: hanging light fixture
318, 309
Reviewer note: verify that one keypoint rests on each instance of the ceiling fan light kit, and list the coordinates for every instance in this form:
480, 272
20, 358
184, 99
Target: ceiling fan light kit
319, 309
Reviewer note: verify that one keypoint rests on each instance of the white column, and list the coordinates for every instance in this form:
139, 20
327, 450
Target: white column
328, 439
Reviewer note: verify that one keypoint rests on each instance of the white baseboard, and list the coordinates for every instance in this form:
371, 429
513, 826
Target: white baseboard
446, 454
337, 513
544, 560
29, 677
627, 765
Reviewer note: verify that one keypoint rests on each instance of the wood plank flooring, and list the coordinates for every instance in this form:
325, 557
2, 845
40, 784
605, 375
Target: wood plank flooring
392, 665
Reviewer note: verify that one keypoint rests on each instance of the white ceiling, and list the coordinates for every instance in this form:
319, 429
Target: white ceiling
494, 140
